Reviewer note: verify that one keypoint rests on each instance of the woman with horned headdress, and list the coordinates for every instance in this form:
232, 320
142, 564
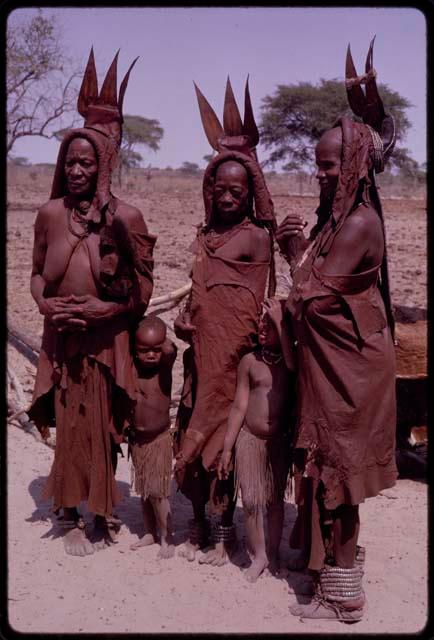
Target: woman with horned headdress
92, 275
233, 256
342, 320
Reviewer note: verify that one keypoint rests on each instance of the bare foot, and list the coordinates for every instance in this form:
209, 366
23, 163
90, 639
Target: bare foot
77, 544
217, 557
144, 541
188, 551
256, 568
274, 563
167, 550
102, 536
351, 611
297, 560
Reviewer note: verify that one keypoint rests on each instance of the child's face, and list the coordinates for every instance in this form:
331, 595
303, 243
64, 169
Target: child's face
268, 336
149, 343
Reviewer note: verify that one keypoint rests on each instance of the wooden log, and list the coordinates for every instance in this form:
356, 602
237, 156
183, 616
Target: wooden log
21, 420
16, 384
29, 346
26, 338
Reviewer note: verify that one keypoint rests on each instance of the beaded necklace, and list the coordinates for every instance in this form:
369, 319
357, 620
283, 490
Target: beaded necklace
73, 214
275, 358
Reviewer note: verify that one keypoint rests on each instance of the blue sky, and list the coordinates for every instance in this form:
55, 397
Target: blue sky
275, 45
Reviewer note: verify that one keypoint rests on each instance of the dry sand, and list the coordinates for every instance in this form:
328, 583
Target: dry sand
118, 590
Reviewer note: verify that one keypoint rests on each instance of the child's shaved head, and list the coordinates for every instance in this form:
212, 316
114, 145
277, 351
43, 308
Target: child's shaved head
151, 328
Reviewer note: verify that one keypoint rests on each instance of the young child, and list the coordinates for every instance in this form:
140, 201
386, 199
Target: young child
150, 442
259, 426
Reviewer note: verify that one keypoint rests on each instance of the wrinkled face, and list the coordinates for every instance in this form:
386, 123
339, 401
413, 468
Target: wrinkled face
149, 344
267, 335
81, 168
231, 192
328, 159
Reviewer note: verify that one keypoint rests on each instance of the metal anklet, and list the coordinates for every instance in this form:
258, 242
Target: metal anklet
198, 531
338, 584
222, 533
71, 524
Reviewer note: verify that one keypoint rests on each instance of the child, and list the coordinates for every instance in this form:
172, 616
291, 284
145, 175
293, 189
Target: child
260, 416
150, 442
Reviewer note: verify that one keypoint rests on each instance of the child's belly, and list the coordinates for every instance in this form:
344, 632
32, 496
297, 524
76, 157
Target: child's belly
265, 415
152, 418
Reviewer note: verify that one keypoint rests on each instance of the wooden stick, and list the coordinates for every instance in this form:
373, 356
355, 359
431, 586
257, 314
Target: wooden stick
173, 295
167, 307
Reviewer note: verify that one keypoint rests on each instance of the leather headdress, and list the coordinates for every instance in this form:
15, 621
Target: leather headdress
365, 146
369, 106
235, 140
103, 118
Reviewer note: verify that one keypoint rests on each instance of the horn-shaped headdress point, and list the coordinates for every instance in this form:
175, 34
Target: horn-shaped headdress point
368, 105
103, 111
234, 133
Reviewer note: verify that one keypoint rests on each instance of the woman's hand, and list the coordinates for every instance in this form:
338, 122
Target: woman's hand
273, 309
224, 464
83, 311
58, 311
289, 230
183, 327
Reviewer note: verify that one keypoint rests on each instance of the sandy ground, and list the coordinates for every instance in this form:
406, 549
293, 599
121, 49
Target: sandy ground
117, 590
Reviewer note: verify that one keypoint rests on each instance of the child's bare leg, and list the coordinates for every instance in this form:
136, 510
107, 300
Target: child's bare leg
275, 527
254, 523
150, 535
303, 525
161, 507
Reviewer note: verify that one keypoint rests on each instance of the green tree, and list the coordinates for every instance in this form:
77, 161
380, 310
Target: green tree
189, 167
19, 161
295, 116
40, 83
137, 130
